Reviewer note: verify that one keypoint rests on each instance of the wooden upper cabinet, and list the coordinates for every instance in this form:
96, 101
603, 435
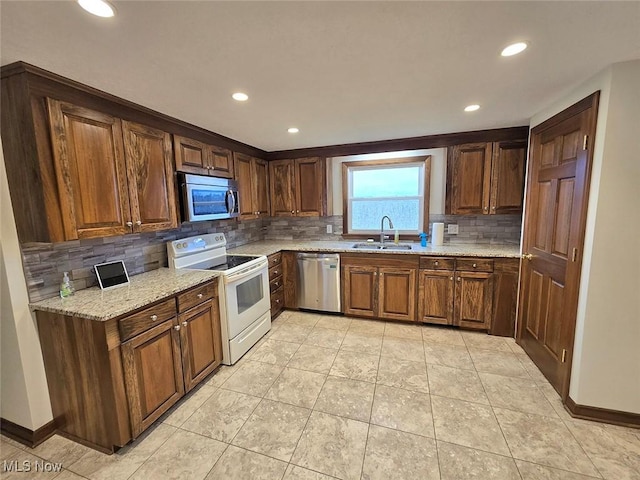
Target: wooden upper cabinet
193, 156
397, 293
486, 178
297, 187
253, 180
150, 173
90, 171
507, 176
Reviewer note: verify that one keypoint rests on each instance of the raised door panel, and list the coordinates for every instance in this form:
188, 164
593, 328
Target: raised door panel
201, 342
290, 275
360, 290
244, 177
152, 367
281, 180
261, 189
221, 162
397, 293
435, 297
90, 170
309, 183
191, 155
473, 300
470, 178
507, 177
150, 172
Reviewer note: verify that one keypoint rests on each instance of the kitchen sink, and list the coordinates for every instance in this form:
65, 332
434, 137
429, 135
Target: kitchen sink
380, 246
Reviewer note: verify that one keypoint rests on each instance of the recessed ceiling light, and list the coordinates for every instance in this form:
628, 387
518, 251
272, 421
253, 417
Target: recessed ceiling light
514, 49
98, 7
293, 130
241, 97
471, 108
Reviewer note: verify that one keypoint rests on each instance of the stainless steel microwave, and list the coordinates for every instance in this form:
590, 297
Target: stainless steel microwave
207, 198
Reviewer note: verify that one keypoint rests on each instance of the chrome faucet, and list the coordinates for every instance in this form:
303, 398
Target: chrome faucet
382, 227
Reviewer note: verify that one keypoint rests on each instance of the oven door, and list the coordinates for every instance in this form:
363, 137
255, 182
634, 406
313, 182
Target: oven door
247, 297
207, 202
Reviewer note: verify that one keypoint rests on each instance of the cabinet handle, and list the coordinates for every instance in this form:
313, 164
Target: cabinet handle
139, 222
213, 168
199, 295
493, 208
184, 324
277, 284
451, 278
129, 224
176, 327
293, 211
474, 265
297, 211
459, 279
277, 300
375, 273
436, 263
154, 318
486, 209
276, 272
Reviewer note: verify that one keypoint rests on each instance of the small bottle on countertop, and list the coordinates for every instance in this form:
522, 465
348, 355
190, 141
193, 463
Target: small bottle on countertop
423, 239
66, 287
396, 238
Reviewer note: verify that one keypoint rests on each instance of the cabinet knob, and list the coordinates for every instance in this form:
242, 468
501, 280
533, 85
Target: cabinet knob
293, 211
459, 279
436, 263
129, 224
493, 208
177, 327
486, 209
297, 211
277, 284
139, 222
275, 272
213, 168
277, 300
199, 295
154, 318
451, 278
474, 265
184, 324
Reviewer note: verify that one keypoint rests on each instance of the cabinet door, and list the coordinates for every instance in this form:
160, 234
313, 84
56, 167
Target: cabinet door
201, 342
397, 293
192, 156
221, 162
152, 368
244, 177
435, 297
309, 185
150, 173
360, 288
281, 178
90, 170
473, 300
261, 186
469, 175
507, 177
290, 275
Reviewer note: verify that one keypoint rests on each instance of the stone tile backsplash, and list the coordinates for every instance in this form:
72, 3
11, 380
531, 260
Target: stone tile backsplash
44, 263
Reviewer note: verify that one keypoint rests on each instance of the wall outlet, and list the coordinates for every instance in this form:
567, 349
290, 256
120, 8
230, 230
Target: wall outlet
452, 229
329, 228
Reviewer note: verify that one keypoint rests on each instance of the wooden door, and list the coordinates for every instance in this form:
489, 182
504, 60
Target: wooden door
150, 174
554, 222
192, 156
90, 171
309, 187
360, 290
469, 178
201, 342
281, 180
397, 293
507, 177
473, 304
152, 367
244, 177
435, 297
220, 161
261, 186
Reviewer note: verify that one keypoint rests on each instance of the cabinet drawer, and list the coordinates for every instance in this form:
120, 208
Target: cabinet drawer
275, 284
195, 296
147, 318
275, 259
436, 263
275, 272
474, 264
277, 300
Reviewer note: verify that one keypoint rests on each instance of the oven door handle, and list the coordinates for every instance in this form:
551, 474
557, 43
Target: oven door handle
229, 194
234, 277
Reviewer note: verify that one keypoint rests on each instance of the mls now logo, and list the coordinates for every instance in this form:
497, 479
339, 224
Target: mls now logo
30, 466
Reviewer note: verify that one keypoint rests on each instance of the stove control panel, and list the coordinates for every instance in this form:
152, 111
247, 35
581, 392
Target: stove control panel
199, 243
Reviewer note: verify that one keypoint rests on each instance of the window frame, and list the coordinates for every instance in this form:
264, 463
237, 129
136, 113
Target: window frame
388, 162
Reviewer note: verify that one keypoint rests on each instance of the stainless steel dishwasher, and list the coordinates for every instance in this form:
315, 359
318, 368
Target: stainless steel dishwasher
319, 281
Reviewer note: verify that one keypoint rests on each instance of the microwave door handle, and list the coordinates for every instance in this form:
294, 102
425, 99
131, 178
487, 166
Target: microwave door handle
230, 195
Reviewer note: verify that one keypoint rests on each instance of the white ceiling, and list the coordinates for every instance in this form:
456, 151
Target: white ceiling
342, 72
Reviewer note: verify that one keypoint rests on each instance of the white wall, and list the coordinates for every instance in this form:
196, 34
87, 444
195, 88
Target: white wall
438, 175
606, 364
24, 394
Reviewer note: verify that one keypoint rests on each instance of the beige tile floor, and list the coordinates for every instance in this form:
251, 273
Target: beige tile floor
327, 397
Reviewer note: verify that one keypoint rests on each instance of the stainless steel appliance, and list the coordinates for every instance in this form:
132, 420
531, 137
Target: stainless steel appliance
207, 198
319, 281
245, 314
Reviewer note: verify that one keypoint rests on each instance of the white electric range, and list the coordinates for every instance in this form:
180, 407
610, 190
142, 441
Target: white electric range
245, 304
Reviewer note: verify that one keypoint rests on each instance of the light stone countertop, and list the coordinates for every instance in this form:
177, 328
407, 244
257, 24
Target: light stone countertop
144, 289
268, 247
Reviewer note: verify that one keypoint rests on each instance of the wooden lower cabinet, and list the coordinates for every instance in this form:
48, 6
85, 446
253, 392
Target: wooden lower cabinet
276, 283
396, 293
473, 300
435, 297
152, 366
289, 278
360, 290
